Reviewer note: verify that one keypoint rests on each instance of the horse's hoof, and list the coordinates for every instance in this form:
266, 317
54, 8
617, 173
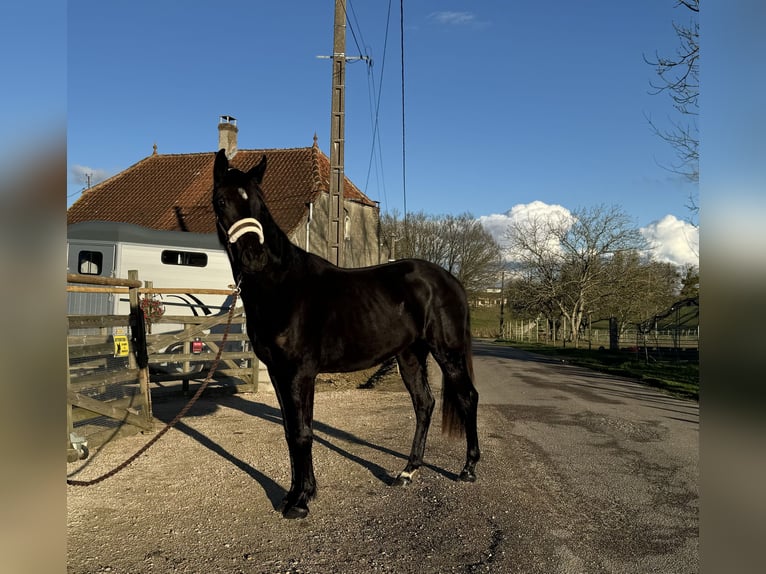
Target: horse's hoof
402, 481
295, 512
467, 476
405, 478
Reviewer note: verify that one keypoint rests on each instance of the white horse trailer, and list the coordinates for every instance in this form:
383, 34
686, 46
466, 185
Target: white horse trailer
171, 259
166, 258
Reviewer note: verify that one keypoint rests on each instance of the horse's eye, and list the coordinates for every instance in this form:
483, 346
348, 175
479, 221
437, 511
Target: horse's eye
221, 202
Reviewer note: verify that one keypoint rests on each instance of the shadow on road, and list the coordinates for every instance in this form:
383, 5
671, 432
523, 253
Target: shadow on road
487, 349
559, 375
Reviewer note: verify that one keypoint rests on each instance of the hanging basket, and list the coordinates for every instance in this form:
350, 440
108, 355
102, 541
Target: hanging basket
152, 308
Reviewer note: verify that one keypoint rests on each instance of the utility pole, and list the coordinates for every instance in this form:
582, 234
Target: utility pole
337, 135
336, 217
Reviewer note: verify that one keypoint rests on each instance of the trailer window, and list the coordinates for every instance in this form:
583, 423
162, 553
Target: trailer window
90, 262
190, 258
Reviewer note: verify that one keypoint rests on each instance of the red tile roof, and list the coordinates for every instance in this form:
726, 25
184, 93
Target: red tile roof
172, 191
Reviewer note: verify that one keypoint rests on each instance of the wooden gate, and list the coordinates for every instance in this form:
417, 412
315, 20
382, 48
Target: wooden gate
186, 352
107, 375
113, 363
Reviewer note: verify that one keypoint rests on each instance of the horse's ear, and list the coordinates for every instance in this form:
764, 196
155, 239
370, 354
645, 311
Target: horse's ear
221, 165
257, 172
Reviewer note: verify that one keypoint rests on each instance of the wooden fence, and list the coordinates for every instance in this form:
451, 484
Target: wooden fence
681, 338
676, 329
114, 365
187, 353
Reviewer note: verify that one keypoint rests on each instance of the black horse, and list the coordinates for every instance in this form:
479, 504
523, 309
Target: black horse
306, 316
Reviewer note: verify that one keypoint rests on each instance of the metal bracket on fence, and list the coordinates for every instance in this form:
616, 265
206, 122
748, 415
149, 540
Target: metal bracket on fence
80, 444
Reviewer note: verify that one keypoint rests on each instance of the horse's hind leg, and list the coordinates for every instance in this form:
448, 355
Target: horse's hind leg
413, 368
460, 402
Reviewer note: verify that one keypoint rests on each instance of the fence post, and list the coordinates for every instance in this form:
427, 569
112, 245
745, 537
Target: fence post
140, 355
186, 365
614, 334
71, 453
255, 366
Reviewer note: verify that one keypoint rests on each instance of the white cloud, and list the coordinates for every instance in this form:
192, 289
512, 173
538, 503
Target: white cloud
453, 18
79, 174
673, 240
497, 223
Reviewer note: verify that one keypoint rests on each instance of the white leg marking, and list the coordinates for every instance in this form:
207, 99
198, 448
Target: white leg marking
404, 475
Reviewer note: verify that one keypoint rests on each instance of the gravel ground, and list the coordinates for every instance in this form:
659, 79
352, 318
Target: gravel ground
204, 498
580, 473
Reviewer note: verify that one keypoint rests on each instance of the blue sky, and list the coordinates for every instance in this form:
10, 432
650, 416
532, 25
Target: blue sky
507, 102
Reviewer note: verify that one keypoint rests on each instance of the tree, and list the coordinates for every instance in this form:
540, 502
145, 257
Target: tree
638, 288
690, 282
565, 259
678, 76
527, 301
472, 254
458, 243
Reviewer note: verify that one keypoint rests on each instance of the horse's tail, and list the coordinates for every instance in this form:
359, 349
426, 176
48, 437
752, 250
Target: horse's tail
457, 391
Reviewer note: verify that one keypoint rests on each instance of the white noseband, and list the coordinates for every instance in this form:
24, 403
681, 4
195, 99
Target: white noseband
246, 225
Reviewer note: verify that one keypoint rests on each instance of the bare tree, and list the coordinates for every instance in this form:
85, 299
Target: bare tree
473, 255
638, 288
566, 257
689, 281
678, 76
526, 300
458, 243
421, 238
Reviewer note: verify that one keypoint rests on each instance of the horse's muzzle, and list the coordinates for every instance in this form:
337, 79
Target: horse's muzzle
243, 226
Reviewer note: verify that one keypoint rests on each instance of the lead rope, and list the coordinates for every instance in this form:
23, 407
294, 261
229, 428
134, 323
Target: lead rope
183, 411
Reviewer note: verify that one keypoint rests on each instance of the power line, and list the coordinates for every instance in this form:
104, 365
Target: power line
404, 162
375, 111
353, 33
374, 102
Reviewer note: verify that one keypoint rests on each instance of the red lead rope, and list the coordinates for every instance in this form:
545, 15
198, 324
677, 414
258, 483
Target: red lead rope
179, 416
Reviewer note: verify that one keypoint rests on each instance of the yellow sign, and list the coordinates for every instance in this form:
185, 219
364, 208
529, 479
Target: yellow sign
121, 347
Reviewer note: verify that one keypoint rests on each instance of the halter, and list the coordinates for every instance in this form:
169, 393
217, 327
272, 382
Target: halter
237, 230
245, 225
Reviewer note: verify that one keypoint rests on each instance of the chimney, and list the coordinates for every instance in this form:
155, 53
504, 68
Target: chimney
227, 135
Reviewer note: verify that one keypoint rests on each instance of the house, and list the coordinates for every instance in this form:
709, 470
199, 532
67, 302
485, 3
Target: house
172, 192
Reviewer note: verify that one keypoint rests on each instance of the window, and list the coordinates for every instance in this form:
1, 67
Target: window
90, 262
190, 258
347, 228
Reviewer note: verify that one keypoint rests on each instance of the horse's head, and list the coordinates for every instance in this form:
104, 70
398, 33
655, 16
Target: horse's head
241, 213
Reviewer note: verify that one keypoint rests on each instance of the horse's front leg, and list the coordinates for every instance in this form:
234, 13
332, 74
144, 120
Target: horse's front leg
297, 402
414, 371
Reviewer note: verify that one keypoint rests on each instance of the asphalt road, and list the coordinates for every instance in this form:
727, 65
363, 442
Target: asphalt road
617, 463
580, 473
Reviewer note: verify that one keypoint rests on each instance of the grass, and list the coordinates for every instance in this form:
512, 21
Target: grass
679, 378
485, 321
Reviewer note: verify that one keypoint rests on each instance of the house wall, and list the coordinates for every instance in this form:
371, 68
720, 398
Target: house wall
360, 249
363, 246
